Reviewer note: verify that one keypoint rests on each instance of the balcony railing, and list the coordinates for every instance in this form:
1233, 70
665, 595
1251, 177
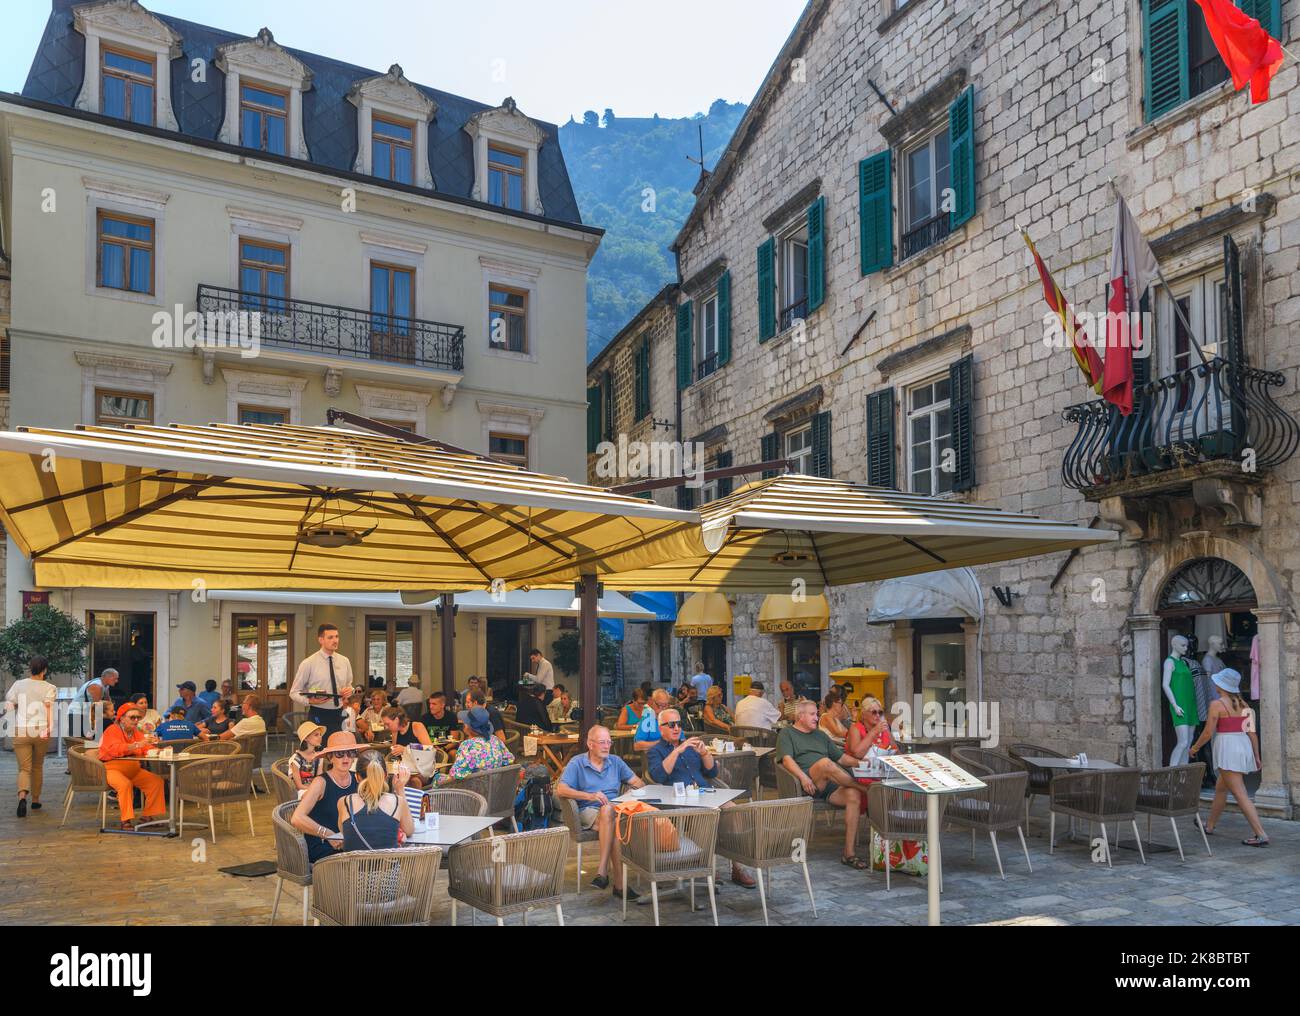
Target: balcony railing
706, 366
795, 312
927, 234
1209, 412
341, 331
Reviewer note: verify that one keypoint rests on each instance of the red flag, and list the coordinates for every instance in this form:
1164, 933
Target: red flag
1250, 52
1133, 268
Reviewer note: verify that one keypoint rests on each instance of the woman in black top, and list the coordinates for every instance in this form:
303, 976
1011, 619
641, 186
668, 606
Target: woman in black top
317, 815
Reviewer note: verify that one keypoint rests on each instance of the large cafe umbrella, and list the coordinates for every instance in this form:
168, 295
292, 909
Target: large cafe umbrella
770, 533
312, 508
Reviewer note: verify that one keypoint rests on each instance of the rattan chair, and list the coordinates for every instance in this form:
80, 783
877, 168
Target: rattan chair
738, 771
255, 745
510, 874
282, 781
1097, 795
291, 862
577, 834
215, 748
766, 835
999, 805
457, 802
985, 761
787, 787
672, 845
1173, 792
289, 724
897, 814
376, 888
1040, 779
221, 779
499, 786
89, 776
514, 741
270, 713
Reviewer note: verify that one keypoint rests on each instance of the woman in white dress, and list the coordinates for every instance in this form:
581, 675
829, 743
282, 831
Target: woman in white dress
1236, 752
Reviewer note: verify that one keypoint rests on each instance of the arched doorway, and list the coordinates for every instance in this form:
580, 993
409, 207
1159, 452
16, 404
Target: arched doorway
1204, 598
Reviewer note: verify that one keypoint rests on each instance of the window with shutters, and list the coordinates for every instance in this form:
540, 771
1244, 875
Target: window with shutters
792, 273
641, 375
1179, 57
799, 449
929, 437
707, 338
926, 175
1203, 301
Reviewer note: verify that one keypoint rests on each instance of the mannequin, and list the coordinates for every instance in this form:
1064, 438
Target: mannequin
1178, 688
1211, 660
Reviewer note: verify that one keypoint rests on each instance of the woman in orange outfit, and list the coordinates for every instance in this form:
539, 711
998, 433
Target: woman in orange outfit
121, 745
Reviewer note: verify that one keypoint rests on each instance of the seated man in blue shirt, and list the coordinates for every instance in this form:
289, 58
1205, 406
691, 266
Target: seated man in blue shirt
673, 760
176, 727
196, 710
592, 780
647, 730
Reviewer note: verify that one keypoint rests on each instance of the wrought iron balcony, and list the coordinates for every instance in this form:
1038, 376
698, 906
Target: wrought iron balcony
795, 312
328, 330
1211, 412
706, 366
927, 234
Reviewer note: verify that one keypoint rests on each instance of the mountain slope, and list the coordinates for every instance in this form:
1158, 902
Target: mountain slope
634, 178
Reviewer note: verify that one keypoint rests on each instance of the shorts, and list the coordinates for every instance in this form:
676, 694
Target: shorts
587, 817
825, 793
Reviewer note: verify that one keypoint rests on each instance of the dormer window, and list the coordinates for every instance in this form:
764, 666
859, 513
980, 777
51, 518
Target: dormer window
263, 119
128, 63
392, 149
264, 88
126, 87
506, 144
394, 115
506, 177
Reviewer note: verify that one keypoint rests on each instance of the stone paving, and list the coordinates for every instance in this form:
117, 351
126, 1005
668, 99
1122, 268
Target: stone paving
75, 875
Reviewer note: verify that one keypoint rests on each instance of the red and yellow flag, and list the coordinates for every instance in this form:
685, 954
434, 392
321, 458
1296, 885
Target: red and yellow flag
1084, 355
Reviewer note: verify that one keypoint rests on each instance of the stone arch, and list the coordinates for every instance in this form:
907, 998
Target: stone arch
1269, 589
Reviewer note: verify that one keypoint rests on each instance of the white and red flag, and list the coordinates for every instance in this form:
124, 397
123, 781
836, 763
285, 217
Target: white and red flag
1133, 270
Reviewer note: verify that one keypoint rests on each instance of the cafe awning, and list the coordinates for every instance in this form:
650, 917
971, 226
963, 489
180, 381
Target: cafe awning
782, 613
516, 602
662, 605
941, 594
310, 508
768, 534
703, 614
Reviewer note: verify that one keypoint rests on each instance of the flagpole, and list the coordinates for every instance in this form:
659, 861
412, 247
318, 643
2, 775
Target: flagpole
1191, 335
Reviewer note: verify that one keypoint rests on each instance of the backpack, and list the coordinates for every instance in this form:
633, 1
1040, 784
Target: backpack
535, 802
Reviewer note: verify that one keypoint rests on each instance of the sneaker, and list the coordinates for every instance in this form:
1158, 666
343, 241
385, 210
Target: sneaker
36, 806
601, 881
632, 894
22, 807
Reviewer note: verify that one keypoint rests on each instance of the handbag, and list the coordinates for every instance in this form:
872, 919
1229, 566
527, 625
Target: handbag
666, 838
423, 760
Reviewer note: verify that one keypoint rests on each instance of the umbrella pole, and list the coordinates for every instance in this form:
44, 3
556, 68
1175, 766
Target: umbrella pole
447, 633
589, 696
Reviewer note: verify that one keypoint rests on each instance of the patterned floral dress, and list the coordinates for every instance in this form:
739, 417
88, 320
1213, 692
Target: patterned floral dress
909, 857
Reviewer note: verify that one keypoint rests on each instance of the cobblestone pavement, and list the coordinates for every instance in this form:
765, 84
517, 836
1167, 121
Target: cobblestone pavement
76, 875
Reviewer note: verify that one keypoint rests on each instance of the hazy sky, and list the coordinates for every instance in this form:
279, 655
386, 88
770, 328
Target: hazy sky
556, 57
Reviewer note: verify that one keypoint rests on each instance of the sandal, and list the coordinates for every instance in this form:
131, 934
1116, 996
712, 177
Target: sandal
855, 862
1256, 841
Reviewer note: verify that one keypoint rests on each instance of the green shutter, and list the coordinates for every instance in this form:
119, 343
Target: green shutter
821, 445
607, 399
1234, 342
961, 140
724, 319
725, 483
593, 419
766, 289
1267, 12
771, 448
685, 497
642, 377
816, 254
961, 388
880, 439
1164, 55
876, 212
685, 368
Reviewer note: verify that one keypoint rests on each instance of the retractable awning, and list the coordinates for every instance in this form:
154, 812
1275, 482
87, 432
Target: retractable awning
515, 603
780, 614
702, 615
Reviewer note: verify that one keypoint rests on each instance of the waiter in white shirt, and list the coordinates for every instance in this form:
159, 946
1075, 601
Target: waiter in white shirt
542, 673
324, 681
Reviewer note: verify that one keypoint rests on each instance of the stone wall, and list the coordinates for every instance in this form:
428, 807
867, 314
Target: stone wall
1057, 117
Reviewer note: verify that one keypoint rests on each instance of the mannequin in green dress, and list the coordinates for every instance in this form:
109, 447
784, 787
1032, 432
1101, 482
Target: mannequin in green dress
1181, 693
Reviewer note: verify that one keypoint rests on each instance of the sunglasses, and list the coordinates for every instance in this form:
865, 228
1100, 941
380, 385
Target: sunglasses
344, 754
875, 712
671, 723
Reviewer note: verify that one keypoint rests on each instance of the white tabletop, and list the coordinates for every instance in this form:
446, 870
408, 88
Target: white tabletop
453, 829
1068, 763
664, 797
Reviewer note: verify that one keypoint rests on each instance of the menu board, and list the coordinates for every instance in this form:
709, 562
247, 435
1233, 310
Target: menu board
932, 773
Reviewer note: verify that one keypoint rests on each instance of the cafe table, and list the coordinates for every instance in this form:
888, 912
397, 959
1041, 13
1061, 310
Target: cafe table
145, 828
1068, 763
452, 829
555, 749
664, 797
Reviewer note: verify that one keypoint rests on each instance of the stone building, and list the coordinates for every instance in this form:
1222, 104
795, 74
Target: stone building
856, 297
412, 256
